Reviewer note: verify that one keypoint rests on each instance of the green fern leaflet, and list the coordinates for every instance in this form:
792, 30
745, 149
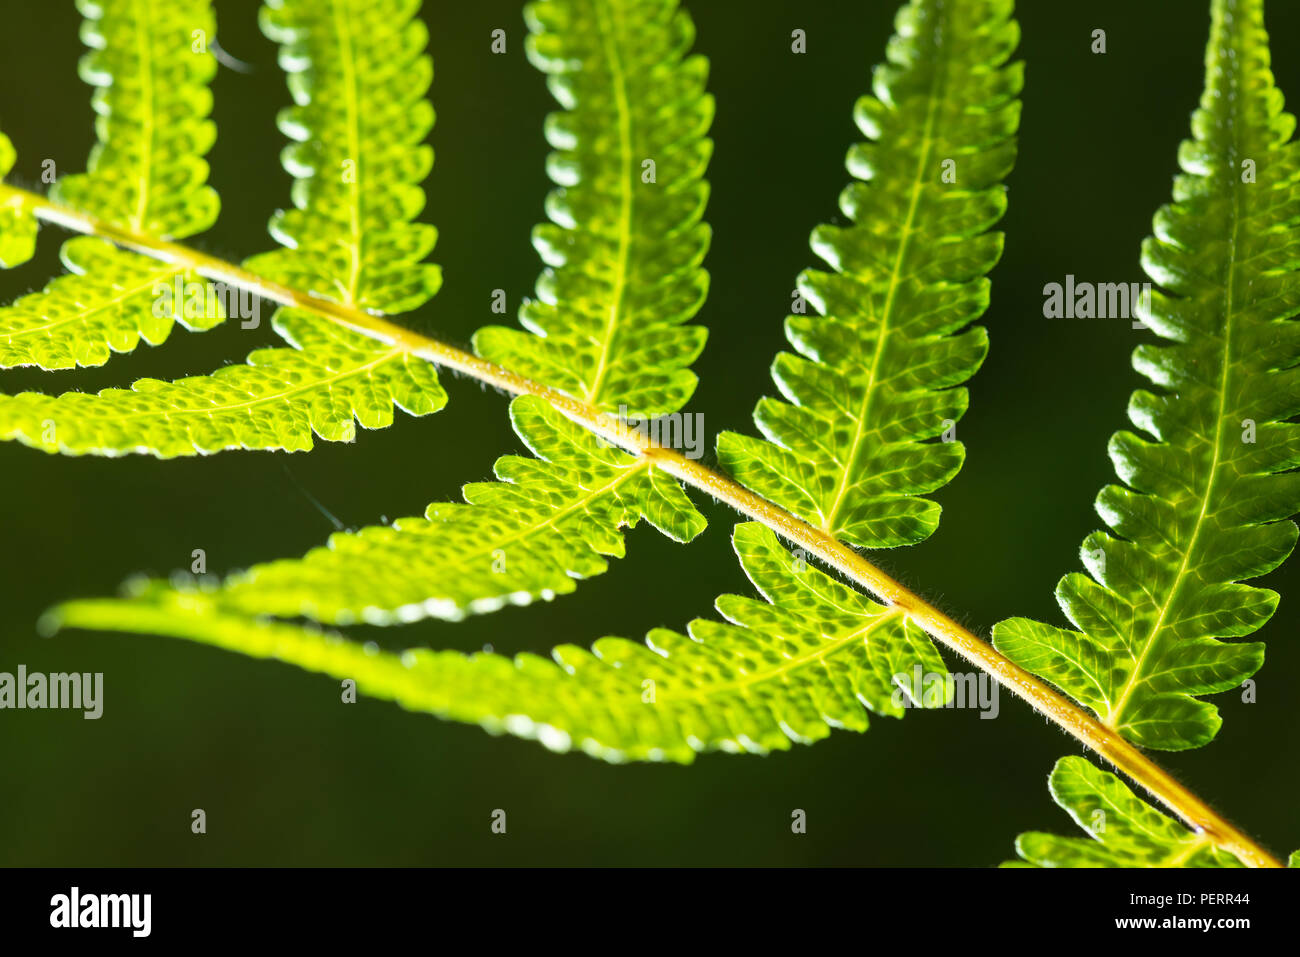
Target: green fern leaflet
150, 65
813, 656
325, 382
878, 373
1208, 495
358, 74
548, 522
625, 241
1124, 831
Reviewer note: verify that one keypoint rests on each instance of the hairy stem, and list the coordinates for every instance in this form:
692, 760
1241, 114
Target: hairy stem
1107, 743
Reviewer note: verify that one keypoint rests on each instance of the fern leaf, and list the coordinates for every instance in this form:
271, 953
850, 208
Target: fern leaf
1205, 502
548, 521
358, 74
150, 66
108, 301
17, 225
782, 671
878, 373
1124, 831
623, 254
326, 380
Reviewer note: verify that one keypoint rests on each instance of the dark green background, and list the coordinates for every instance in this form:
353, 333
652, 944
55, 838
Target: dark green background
289, 775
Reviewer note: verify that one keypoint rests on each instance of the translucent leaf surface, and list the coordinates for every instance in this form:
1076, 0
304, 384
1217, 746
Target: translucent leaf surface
328, 380
358, 74
548, 521
625, 241
150, 63
1206, 490
877, 375
780, 671
1124, 831
108, 301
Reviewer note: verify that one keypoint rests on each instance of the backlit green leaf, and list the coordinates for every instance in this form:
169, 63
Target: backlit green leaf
625, 241
150, 63
781, 671
325, 380
877, 376
547, 522
108, 301
358, 73
1124, 831
1207, 490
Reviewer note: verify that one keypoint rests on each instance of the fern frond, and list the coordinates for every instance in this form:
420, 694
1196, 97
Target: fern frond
150, 66
1124, 831
358, 74
877, 374
18, 225
623, 254
1207, 499
326, 380
108, 301
783, 671
547, 522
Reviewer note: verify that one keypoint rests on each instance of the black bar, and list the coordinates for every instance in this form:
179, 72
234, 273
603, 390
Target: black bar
334, 906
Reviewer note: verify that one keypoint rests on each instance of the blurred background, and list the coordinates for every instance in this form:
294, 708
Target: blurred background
289, 775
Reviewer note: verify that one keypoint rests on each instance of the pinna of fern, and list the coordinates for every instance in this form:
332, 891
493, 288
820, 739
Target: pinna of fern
783, 670
1207, 502
1123, 830
878, 374
1208, 497
626, 237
